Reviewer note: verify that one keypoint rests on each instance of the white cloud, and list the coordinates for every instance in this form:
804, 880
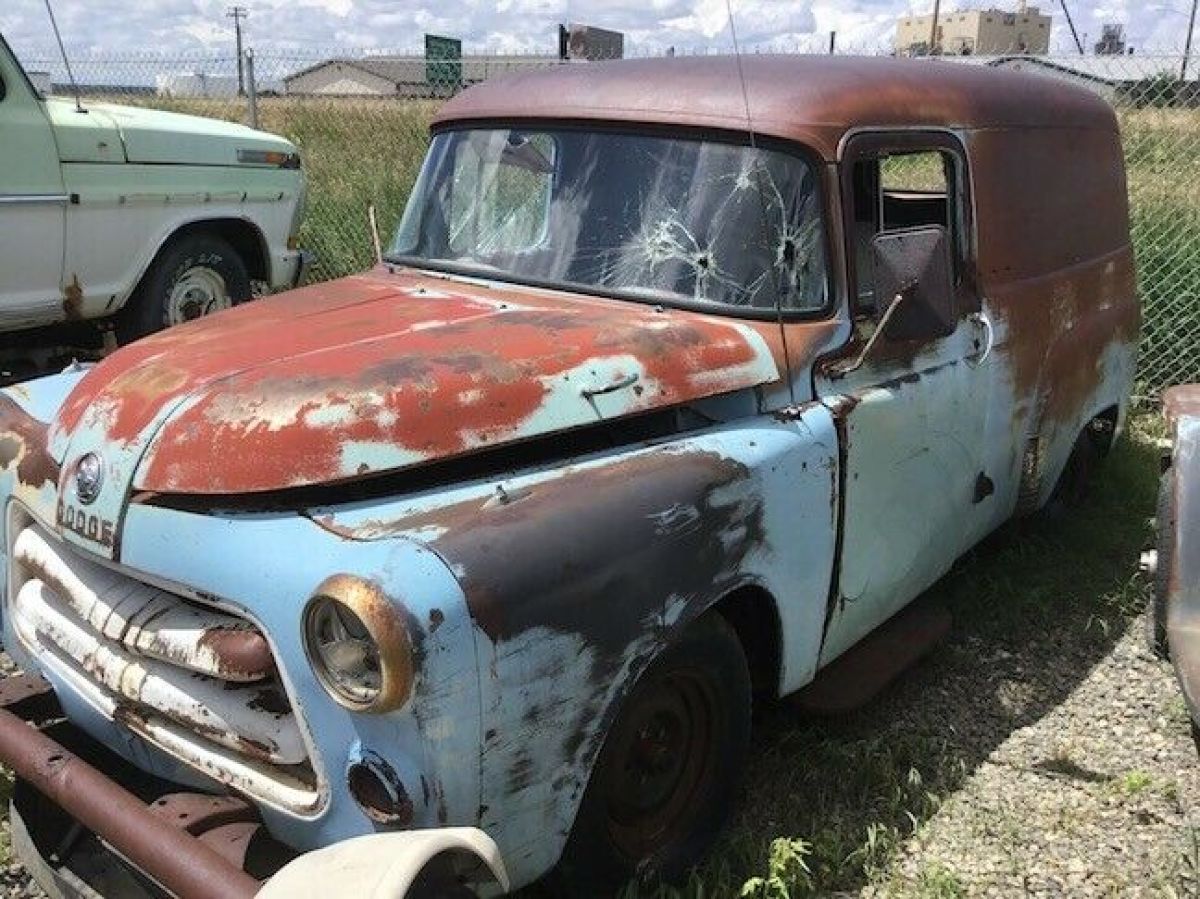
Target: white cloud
313, 26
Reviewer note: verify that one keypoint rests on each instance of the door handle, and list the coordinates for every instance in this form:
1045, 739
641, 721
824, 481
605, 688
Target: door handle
983, 336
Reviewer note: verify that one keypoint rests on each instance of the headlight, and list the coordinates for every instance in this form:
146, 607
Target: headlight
358, 645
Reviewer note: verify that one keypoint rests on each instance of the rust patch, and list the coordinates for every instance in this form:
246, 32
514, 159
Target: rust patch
72, 303
272, 701
1055, 260
240, 651
1181, 401
23, 443
200, 812
592, 532
378, 790
399, 370
814, 101
861, 673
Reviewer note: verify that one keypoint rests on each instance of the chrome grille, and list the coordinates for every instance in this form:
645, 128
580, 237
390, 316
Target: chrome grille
199, 682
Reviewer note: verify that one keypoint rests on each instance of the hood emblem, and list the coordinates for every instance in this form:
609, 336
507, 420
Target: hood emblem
89, 477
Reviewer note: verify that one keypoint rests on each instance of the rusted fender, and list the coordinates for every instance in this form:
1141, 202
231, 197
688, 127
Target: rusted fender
1181, 406
605, 561
383, 371
25, 454
23, 445
386, 865
29, 466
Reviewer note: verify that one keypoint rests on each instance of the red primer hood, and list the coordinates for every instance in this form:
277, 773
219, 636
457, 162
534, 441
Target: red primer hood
382, 371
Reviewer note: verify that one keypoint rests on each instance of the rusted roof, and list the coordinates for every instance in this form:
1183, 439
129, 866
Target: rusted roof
815, 99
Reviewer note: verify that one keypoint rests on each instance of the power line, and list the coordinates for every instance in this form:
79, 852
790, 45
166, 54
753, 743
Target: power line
237, 13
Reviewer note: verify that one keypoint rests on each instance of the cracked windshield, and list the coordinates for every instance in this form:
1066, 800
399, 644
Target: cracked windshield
651, 217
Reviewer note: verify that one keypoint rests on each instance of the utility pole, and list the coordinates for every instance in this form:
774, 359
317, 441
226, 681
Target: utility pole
832, 43
1071, 22
937, 9
237, 13
1187, 47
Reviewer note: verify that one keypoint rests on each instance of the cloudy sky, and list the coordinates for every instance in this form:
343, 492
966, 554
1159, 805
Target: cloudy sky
312, 26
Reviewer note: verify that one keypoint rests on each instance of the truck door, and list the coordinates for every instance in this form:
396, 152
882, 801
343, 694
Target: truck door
913, 415
32, 204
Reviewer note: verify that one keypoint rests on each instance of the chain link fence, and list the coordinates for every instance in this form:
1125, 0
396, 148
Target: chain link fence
360, 120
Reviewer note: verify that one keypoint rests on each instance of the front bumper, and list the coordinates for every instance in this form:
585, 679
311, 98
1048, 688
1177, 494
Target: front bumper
289, 268
305, 263
75, 802
88, 825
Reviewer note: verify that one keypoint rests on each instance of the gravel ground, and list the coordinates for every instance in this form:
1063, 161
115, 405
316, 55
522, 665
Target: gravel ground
1098, 796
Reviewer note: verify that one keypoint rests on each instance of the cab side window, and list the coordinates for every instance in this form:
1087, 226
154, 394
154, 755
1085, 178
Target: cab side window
895, 191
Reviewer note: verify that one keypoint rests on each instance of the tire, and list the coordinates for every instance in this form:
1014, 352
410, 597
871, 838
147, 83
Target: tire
1075, 481
666, 777
1156, 619
192, 276
438, 881
431, 888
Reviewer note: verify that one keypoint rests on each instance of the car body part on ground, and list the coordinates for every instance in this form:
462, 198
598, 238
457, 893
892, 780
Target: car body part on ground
1174, 624
506, 532
145, 218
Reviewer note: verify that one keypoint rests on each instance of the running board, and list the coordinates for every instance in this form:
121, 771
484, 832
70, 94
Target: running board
863, 671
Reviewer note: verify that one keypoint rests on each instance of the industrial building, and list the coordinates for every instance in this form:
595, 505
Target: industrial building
976, 32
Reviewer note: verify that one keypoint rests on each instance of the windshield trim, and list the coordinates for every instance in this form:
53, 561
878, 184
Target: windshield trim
7, 49
794, 149
483, 273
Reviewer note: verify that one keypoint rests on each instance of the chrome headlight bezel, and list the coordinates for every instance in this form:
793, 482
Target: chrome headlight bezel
369, 618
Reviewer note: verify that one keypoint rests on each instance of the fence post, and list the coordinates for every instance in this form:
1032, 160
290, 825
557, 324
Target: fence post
252, 89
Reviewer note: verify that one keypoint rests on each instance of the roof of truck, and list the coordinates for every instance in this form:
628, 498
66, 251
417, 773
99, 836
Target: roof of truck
814, 99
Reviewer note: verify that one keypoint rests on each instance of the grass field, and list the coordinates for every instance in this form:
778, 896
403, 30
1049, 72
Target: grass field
1162, 149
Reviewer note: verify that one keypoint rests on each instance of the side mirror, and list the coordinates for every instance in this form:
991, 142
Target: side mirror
914, 265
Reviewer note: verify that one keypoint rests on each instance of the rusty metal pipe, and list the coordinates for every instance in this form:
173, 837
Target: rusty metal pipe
179, 862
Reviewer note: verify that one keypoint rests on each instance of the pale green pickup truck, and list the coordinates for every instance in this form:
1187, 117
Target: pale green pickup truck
134, 216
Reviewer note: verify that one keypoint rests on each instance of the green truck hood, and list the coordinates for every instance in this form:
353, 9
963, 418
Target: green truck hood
110, 133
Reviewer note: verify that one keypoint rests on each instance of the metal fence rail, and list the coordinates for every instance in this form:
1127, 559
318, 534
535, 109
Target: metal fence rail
361, 121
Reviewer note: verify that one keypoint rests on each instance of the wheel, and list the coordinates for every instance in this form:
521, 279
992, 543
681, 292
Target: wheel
192, 276
666, 776
1156, 619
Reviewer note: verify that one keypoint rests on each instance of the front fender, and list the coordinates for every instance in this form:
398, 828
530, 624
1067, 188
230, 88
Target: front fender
577, 574
386, 866
29, 469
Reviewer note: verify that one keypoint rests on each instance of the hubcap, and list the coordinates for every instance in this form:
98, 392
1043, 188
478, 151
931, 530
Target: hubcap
663, 757
199, 291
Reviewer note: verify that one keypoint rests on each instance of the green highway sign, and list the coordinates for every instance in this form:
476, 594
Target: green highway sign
443, 62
